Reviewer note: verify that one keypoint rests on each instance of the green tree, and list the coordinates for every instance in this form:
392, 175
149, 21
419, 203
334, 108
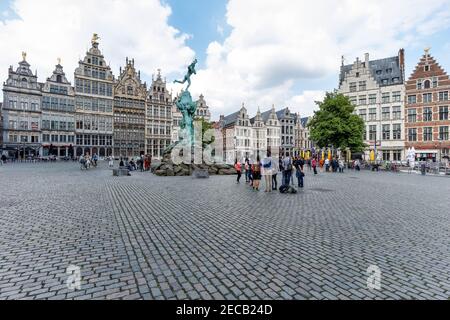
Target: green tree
335, 124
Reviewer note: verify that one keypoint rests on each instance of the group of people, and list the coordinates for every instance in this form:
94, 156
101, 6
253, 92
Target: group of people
269, 168
87, 161
142, 163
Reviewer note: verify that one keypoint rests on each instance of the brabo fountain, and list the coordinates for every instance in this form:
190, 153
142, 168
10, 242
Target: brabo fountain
185, 157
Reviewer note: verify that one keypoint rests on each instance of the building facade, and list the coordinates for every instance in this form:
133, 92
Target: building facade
203, 109
21, 111
427, 110
259, 136
302, 139
158, 119
377, 89
273, 128
94, 83
287, 121
130, 96
237, 135
58, 115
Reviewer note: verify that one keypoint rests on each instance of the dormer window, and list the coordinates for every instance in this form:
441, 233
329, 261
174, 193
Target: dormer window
427, 68
58, 78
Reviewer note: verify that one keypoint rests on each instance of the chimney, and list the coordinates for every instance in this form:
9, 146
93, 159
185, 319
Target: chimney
366, 59
401, 58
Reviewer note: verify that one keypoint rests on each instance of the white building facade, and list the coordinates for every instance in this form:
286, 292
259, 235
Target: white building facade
377, 90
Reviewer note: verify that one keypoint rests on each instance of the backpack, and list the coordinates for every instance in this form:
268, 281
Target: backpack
268, 165
284, 189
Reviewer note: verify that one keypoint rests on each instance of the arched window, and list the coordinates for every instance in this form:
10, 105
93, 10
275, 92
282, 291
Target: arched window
58, 78
24, 82
427, 84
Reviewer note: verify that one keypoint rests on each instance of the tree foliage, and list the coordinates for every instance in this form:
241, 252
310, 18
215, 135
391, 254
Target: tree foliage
335, 124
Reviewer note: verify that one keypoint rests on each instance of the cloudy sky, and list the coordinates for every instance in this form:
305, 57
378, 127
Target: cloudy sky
260, 52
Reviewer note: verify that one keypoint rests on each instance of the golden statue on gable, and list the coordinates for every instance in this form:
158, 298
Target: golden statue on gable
95, 38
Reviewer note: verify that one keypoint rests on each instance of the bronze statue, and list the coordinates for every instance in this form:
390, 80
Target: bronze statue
187, 77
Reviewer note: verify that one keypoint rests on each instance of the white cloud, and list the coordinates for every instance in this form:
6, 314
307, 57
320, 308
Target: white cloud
48, 29
274, 47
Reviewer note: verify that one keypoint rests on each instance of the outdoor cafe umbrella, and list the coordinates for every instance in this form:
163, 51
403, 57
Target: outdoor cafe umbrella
372, 155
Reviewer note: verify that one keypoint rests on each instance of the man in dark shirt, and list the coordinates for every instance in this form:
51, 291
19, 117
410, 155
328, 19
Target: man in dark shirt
299, 164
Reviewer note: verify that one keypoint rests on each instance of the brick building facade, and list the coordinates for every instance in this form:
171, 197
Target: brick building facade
427, 110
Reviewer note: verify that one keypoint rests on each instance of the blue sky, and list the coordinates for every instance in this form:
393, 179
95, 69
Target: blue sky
261, 52
201, 19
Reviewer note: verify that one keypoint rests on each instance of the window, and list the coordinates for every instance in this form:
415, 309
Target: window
397, 155
443, 96
396, 113
443, 113
386, 113
362, 100
23, 125
353, 100
397, 131
435, 82
386, 97
352, 86
428, 134
412, 115
372, 133
396, 96
427, 68
419, 84
372, 114
363, 114
412, 99
386, 156
427, 84
372, 98
362, 86
45, 138
427, 114
427, 97
443, 133
386, 132
412, 134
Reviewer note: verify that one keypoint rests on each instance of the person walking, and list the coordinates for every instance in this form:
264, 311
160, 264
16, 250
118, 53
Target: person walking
238, 167
341, 166
314, 165
267, 171
275, 170
111, 162
247, 170
256, 172
327, 165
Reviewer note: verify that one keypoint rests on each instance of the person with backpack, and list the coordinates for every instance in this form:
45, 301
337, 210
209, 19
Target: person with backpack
256, 172
287, 170
314, 165
238, 167
267, 171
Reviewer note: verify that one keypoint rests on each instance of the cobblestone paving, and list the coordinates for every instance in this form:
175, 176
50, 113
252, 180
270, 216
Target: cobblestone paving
148, 237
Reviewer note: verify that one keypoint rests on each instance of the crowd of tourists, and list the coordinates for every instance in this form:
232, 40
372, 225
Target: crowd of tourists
290, 169
269, 169
142, 163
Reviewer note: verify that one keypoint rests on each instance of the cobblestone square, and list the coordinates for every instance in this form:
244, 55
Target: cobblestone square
148, 237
